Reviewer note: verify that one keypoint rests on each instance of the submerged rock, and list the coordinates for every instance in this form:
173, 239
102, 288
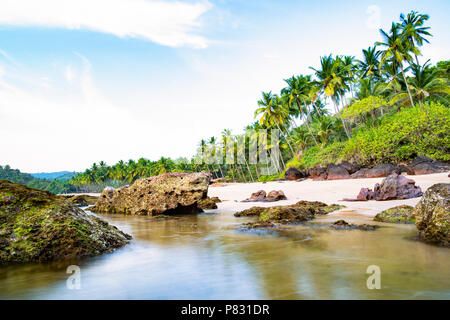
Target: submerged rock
208, 203
399, 214
38, 226
344, 225
169, 193
432, 215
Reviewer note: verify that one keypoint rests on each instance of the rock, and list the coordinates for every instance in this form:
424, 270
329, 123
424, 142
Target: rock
396, 187
275, 196
38, 226
337, 172
169, 193
261, 196
82, 200
350, 167
381, 170
293, 174
208, 203
425, 165
253, 211
399, 214
318, 174
344, 225
432, 215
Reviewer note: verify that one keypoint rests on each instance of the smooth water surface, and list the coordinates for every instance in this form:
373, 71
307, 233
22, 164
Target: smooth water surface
205, 257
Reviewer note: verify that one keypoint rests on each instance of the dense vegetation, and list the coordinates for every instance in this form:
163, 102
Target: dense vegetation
55, 186
387, 107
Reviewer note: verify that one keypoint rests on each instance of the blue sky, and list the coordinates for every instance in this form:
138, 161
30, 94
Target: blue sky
83, 81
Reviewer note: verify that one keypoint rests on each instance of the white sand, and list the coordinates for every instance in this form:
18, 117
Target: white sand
325, 191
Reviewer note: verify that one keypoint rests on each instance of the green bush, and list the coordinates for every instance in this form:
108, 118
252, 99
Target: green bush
399, 137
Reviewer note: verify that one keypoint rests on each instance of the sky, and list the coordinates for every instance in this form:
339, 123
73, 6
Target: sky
84, 81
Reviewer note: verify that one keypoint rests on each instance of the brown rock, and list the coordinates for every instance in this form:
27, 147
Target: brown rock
398, 187
293, 174
169, 193
337, 172
275, 196
381, 170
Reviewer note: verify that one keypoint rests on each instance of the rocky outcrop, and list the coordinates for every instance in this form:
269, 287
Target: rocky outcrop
38, 226
432, 215
337, 172
208, 203
300, 212
399, 214
344, 225
262, 196
169, 193
381, 170
293, 174
394, 187
81, 200
425, 165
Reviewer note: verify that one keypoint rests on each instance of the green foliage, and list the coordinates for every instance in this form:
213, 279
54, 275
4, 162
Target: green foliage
400, 136
364, 105
274, 177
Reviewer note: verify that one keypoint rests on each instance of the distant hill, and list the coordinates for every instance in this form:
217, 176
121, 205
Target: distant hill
56, 185
60, 175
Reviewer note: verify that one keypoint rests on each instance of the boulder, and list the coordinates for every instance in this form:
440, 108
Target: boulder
381, 170
318, 174
396, 187
261, 196
337, 172
253, 211
38, 226
293, 174
399, 214
425, 165
208, 203
432, 215
275, 195
169, 193
344, 225
350, 167
82, 200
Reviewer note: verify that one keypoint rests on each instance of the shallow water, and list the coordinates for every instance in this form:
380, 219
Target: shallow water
205, 257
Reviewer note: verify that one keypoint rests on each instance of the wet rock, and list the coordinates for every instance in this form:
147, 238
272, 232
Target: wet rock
399, 214
337, 172
432, 215
169, 193
253, 211
293, 174
208, 203
38, 226
344, 225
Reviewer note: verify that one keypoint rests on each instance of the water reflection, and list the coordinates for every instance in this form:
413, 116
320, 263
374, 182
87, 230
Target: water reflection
204, 257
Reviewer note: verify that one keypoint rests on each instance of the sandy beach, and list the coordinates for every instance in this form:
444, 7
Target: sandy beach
325, 191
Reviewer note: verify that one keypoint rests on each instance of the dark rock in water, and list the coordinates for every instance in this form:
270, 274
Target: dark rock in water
169, 193
81, 200
398, 187
337, 172
344, 225
293, 174
208, 203
425, 165
38, 226
432, 215
299, 212
394, 187
381, 170
399, 214
261, 196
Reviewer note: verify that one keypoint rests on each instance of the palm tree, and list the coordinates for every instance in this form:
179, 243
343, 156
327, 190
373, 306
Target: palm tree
272, 112
297, 94
370, 65
414, 31
425, 83
396, 51
332, 79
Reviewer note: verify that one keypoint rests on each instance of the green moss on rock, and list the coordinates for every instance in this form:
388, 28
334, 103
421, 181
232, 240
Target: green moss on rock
38, 226
399, 214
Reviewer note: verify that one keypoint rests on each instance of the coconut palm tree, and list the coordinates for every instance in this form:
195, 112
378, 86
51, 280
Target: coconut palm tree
370, 65
396, 51
414, 31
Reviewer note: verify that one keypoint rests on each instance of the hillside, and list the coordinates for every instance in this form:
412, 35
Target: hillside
60, 175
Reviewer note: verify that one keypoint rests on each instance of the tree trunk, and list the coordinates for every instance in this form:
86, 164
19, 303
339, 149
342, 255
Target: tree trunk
407, 86
307, 125
292, 150
340, 116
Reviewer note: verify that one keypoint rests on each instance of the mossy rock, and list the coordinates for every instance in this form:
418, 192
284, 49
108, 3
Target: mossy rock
208, 203
432, 215
253, 211
81, 200
399, 214
38, 226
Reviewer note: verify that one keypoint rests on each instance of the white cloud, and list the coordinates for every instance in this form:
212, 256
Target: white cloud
166, 23
69, 74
